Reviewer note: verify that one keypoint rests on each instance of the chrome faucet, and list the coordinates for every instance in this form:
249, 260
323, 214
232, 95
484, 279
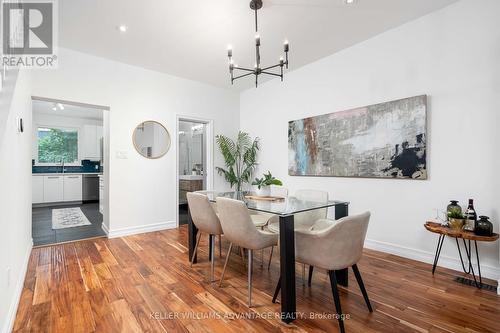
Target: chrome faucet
62, 164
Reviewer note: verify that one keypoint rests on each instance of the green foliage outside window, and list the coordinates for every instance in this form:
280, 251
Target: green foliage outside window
55, 145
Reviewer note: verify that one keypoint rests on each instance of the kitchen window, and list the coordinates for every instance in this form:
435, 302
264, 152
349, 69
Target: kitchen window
56, 145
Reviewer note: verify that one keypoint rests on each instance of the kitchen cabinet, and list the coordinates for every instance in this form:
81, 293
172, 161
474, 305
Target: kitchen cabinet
72, 189
53, 189
91, 142
37, 194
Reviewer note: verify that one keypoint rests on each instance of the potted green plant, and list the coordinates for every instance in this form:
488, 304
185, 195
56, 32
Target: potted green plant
263, 184
240, 158
456, 219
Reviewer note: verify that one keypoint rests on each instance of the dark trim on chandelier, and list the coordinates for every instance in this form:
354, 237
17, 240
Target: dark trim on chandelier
255, 5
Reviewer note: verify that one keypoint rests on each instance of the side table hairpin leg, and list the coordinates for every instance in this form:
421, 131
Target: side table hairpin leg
466, 271
470, 270
438, 252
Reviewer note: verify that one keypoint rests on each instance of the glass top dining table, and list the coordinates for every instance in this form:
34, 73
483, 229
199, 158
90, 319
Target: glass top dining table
282, 207
285, 208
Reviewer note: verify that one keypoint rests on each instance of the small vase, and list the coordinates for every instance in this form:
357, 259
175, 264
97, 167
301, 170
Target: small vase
453, 204
483, 226
264, 191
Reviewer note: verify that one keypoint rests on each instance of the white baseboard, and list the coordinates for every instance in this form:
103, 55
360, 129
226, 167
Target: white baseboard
18, 289
113, 233
105, 229
428, 257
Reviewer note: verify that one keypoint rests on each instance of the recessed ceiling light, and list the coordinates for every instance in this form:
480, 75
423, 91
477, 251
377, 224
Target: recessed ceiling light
349, 2
122, 28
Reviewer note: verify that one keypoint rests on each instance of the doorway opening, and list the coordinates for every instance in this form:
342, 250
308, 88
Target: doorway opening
69, 174
194, 162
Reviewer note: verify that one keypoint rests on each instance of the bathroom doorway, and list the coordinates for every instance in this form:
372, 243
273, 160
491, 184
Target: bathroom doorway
194, 159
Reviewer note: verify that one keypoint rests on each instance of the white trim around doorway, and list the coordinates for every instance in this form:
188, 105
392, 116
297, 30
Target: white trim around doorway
210, 154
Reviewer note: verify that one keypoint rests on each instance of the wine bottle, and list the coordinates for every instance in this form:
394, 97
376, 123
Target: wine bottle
470, 216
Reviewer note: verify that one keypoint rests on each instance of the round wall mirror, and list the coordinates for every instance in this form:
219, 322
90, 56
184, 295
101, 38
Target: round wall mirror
151, 139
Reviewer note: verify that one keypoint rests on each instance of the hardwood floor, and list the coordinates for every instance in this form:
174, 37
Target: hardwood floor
143, 283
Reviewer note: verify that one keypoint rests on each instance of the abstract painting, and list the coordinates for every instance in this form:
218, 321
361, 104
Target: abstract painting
386, 140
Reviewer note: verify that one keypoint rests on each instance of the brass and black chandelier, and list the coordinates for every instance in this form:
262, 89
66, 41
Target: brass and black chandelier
257, 70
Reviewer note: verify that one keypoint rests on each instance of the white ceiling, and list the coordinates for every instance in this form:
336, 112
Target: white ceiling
189, 38
72, 111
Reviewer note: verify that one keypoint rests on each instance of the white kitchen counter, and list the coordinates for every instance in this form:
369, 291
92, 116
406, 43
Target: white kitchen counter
190, 177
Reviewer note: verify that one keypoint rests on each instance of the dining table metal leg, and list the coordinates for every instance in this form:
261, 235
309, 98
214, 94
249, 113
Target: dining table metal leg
192, 231
287, 268
343, 274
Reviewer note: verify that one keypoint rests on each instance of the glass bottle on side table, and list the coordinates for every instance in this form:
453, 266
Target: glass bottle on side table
470, 217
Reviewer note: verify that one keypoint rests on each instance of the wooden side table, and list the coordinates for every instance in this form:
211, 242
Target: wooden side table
466, 237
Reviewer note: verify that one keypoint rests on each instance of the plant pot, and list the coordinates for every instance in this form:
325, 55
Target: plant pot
456, 224
264, 191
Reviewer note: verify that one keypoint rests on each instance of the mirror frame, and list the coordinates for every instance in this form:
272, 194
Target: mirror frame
166, 130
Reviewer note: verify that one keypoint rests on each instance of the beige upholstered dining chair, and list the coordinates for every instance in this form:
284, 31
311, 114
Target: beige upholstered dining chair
207, 221
333, 247
304, 220
261, 219
239, 230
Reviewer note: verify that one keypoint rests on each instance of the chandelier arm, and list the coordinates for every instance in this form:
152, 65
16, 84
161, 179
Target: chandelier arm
269, 73
244, 69
243, 75
270, 67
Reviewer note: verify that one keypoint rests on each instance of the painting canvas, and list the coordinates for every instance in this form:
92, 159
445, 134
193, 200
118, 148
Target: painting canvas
386, 140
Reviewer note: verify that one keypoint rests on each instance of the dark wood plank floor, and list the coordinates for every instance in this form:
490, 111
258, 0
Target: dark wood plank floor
143, 283
42, 231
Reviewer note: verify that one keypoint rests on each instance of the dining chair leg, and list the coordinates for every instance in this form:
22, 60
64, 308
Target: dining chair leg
309, 280
242, 253
212, 256
262, 253
336, 299
195, 249
250, 259
362, 286
270, 257
220, 246
277, 290
225, 263
303, 274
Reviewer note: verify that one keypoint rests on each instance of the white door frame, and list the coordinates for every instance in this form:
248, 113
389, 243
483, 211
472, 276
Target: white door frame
106, 160
209, 142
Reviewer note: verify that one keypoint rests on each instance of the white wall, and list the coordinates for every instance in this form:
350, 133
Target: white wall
43, 119
147, 187
15, 194
451, 55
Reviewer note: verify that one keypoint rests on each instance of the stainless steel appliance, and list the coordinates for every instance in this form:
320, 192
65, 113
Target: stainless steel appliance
90, 187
